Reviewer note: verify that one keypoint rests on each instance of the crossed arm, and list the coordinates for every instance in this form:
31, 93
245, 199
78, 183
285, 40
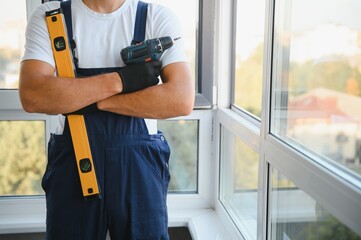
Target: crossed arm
42, 92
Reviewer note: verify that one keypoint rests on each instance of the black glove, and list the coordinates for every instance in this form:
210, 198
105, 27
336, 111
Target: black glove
138, 76
88, 109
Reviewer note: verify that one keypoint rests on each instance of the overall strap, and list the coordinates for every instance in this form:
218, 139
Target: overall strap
66, 8
140, 23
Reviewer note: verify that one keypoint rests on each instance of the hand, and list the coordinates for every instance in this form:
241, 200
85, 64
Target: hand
138, 76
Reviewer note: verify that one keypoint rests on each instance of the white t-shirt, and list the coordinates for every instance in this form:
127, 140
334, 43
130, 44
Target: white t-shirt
100, 37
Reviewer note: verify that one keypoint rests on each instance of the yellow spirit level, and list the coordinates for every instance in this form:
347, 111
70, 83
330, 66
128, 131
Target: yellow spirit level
65, 68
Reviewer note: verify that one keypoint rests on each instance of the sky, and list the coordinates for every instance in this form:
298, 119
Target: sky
12, 24
313, 28
7, 10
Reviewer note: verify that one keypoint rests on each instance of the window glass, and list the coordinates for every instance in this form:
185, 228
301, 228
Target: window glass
187, 13
317, 79
249, 55
22, 157
12, 40
239, 183
182, 137
295, 215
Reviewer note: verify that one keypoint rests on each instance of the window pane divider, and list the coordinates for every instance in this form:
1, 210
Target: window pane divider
9, 99
248, 132
22, 214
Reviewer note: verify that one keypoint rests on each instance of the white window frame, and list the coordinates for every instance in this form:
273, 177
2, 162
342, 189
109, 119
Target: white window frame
339, 196
196, 210
22, 214
249, 134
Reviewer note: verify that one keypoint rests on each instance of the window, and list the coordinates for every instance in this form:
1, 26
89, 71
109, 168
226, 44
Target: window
239, 182
310, 77
248, 69
317, 87
12, 29
22, 136
187, 13
22, 157
295, 215
182, 137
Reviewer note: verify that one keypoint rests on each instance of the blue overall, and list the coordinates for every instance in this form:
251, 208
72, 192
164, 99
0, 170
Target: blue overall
132, 172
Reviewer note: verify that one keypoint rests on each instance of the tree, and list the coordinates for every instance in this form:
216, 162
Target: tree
182, 137
337, 75
22, 157
248, 82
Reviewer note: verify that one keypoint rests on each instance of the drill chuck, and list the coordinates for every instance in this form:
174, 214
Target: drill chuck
148, 50
164, 43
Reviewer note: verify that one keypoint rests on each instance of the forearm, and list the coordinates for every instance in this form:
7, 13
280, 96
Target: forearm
175, 97
44, 93
158, 102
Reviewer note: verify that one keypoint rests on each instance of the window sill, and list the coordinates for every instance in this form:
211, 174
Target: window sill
28, 217
31, 212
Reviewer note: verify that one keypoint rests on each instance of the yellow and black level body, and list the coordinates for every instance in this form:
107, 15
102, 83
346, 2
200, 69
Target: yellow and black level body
59, 43
65, 68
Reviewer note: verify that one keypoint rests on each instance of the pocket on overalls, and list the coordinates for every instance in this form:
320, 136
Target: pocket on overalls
156, 156
50, 159
57, 147
150, 179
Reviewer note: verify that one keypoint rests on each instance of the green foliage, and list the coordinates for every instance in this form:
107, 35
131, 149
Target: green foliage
334, 75
339, 75
248, 82
182, 137
246, 167
22, 157
325, 228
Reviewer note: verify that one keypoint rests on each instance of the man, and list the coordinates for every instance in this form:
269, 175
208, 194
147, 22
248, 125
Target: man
130, 156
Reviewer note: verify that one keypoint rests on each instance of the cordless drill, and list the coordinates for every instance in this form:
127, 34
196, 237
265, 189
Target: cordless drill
148, 50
